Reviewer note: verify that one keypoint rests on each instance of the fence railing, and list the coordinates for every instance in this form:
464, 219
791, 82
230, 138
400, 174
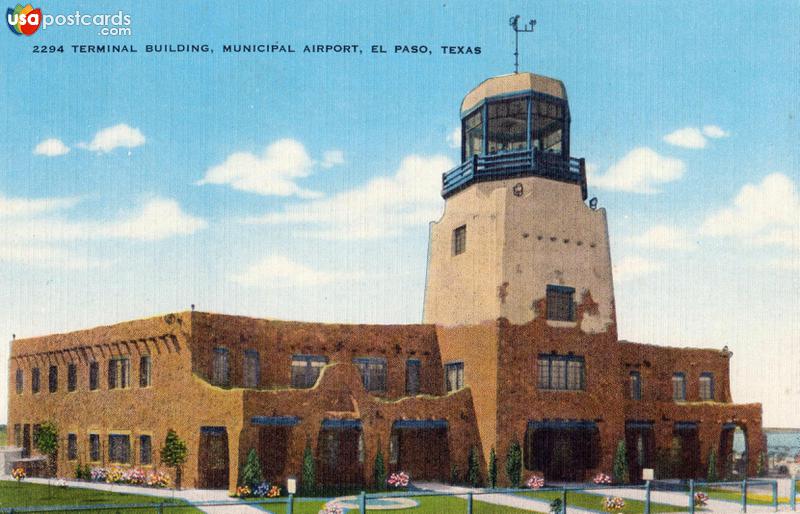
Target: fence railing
760, 492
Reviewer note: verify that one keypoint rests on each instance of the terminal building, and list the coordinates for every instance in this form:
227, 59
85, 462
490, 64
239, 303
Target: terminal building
518, 344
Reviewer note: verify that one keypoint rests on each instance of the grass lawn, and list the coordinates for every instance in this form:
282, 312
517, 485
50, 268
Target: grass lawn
592, 501
22, 494
753, 498
427, 505
3, 435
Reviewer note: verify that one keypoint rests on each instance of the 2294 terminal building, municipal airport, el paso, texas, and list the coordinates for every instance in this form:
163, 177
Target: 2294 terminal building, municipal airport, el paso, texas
519, 343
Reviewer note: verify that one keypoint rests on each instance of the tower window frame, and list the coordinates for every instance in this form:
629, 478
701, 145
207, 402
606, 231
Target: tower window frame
119, 373
460, 240
706, 386
306, 369
679, 386
560, 303
558, 372
454, 376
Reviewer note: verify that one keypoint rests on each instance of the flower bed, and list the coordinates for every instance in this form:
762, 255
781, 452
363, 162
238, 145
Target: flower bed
535, 482
613, 504
132, 476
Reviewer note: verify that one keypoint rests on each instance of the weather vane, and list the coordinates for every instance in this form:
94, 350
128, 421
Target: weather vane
514, 22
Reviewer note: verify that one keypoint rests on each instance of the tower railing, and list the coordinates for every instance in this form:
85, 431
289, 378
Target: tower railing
510, 164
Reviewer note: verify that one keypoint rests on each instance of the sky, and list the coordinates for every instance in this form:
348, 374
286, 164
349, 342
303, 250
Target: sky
300, 186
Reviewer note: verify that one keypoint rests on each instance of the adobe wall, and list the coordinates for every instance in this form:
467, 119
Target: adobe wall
278, 341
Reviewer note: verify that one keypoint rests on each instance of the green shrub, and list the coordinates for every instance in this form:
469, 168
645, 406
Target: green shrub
491, 472
473, 468
308, 483
620, 469
711, 474
514, 464
173, 454
454, 478
379, 470
250, 474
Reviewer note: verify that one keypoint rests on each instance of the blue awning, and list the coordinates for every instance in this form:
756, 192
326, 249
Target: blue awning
275, 421
634, 424
729, 426
562, 424
685, 425
341, 423
212, 430
420, 423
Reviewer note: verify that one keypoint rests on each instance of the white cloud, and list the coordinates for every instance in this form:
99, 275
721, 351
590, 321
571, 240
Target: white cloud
640, 171
383, 207
117, 136
30, 206
631, 268
714, 132
761, 214
688, 137
332, 158
663, 237
156, 219
51, 148
280, 271
454, 138
273, 173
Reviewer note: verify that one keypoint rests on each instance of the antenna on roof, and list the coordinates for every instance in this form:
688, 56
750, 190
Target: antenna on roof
192, 307
514, 22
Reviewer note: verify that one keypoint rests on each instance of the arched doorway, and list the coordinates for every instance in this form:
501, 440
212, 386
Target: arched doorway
213, 458
733, 452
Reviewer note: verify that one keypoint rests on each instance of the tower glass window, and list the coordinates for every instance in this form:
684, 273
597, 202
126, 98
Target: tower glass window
220, 370
678, 387
561, 372
373, 373
72, 377
35, 379
507, 125
636, 385
460, 240
52, 379
472, 130
560, 303
306, 369
706, 386
547, 130
145, 365
94, 376
20, 381
412, 376
454, 376
252, 369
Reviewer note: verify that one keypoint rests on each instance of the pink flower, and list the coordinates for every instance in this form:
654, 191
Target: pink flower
601, 478
400, 479
535, 482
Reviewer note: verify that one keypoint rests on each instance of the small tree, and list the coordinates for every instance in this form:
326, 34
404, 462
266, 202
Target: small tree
379, 470
711, 475
491, 472
47, 443
454, 479
173, 454
473, 468
514, 464
620, 469
761, 468
251, 475
308, 484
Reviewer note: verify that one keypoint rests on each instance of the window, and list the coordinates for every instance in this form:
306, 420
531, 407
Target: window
144, 371
18, 435
36, 428
561, 372
706, 386
548, 127
460, 240
560, 304
394, 447
252, 368
94, 447
220, 371
678, 387
454, 376
119, 448
72, 377
373, 373
72, 446
94, 376
472, 128
20, 379
412, 376
507, 125
306, 369
636, 385
52, 379
119, 373
145, 450
35, 378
